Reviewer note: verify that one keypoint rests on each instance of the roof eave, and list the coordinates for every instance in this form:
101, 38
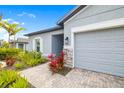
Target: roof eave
70, 14
40, 32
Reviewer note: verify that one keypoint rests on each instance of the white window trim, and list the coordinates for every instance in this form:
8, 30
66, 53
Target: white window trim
93, 27
41, 44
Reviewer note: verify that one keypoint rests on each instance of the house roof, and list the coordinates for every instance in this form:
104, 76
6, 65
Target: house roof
45, 30
60, 22
70, 14
20, 40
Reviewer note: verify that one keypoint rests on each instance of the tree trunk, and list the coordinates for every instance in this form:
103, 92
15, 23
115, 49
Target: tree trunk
9, 40
14, 41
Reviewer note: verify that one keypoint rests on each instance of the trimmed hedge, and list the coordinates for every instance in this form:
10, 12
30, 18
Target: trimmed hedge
5, 52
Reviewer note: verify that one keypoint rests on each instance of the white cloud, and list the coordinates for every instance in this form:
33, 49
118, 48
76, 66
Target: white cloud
22, 14
8, 19
13, 21
4, 34
22, 23
32, 15
27, 14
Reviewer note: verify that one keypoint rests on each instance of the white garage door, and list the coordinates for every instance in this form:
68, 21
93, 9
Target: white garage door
101, 51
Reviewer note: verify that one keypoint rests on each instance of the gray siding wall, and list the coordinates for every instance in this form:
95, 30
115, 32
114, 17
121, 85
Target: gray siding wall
93, 14
47, 41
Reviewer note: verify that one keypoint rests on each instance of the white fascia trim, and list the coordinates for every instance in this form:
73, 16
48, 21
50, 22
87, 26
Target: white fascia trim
92, 27
99, 26
59, 33
77, 13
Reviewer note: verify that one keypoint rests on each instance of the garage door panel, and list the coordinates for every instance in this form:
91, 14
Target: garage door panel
98, 60
102, 57
102, 68
102, 33
114, 39
101, 45
100, 51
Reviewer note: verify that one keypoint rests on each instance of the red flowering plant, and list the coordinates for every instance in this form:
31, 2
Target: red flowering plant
9, 61
51, 56
56, 63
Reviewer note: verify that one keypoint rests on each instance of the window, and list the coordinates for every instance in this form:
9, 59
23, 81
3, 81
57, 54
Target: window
37, 45
21, 46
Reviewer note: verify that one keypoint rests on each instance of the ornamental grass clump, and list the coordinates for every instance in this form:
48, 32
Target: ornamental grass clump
31, 58
56, 63
19, 65
11, 79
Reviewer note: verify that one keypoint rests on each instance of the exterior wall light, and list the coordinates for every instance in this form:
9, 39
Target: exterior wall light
66, 41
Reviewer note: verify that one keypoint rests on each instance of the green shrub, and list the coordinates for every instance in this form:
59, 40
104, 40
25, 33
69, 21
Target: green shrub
5, 45
43, 59
19, 65
10, 78
32, 58
20, 83
35, 54
7, 77
32, 62
5, 52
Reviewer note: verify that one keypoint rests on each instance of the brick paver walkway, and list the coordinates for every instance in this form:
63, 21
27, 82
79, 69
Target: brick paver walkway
41, 77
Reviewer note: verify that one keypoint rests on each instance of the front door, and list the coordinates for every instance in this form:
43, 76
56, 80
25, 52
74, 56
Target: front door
57, 44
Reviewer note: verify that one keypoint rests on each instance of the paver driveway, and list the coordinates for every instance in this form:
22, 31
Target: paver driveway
40, 76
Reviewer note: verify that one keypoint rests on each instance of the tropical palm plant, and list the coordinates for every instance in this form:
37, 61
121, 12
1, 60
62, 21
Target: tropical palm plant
13, 29
5, 25
16, 29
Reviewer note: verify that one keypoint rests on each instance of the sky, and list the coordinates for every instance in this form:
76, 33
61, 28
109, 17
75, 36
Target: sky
32, 17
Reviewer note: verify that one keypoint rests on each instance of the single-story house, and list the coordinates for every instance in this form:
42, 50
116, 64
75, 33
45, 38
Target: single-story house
21, 43
92, 37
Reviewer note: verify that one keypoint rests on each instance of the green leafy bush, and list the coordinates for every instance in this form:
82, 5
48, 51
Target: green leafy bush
10, 78
35, 54
5, 52
32, 58
7, 77
5, 45
20, 83
19, 65
24, 59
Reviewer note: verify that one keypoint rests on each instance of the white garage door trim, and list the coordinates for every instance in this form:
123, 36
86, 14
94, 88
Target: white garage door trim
93, 27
